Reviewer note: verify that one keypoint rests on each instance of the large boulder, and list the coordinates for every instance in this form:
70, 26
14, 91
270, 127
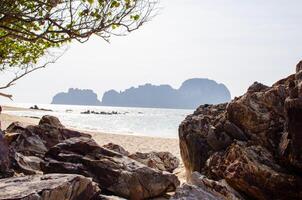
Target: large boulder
254, 143
193, 134
164, 161
253, 171
36, 140
48, 187
112, 171
260, 114
28, 144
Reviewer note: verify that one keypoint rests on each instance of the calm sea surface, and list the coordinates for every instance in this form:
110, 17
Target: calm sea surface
131, 121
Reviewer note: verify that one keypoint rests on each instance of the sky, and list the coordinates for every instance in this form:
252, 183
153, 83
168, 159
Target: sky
230, 41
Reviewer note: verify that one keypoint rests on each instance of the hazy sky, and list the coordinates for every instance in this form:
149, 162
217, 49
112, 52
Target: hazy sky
235, 42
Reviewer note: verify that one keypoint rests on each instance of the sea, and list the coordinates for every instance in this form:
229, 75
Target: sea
153, 122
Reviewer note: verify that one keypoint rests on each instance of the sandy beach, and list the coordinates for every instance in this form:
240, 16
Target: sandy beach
129, 142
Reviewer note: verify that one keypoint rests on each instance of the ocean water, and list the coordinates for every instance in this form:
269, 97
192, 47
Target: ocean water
154, 122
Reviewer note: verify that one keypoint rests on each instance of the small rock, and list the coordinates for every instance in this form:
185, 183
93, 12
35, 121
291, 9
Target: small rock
15, 127
28, 165
51, 120
164, 161
116, 148
192, 192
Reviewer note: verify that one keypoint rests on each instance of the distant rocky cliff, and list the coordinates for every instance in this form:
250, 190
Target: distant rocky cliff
192, 93
76, 97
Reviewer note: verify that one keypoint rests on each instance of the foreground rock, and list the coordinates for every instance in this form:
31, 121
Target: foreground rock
36, 140
112, 171
204, 188
254, 143
28, 144
28, 165
4, 158
48, 187
243, 166
163, 161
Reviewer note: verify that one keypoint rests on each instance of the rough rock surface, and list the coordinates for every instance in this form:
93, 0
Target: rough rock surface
106, 197
117, 148
193, 192
220, 189
51, 120
4, 158
253, 171
254, 143
164, 161
201, 187
36, 140
114, 172
48, 187
28, 165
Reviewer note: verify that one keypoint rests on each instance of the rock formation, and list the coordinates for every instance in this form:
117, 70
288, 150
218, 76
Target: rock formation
76, 96
163, 161
112, 171
28, 152
253, 143
192, 93
4, 158
48, 187
36, 140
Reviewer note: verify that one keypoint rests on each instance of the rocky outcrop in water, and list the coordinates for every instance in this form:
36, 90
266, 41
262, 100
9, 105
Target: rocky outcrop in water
192, 93
252, 143
76, 96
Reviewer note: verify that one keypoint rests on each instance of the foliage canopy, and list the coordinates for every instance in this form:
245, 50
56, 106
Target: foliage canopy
30, 28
